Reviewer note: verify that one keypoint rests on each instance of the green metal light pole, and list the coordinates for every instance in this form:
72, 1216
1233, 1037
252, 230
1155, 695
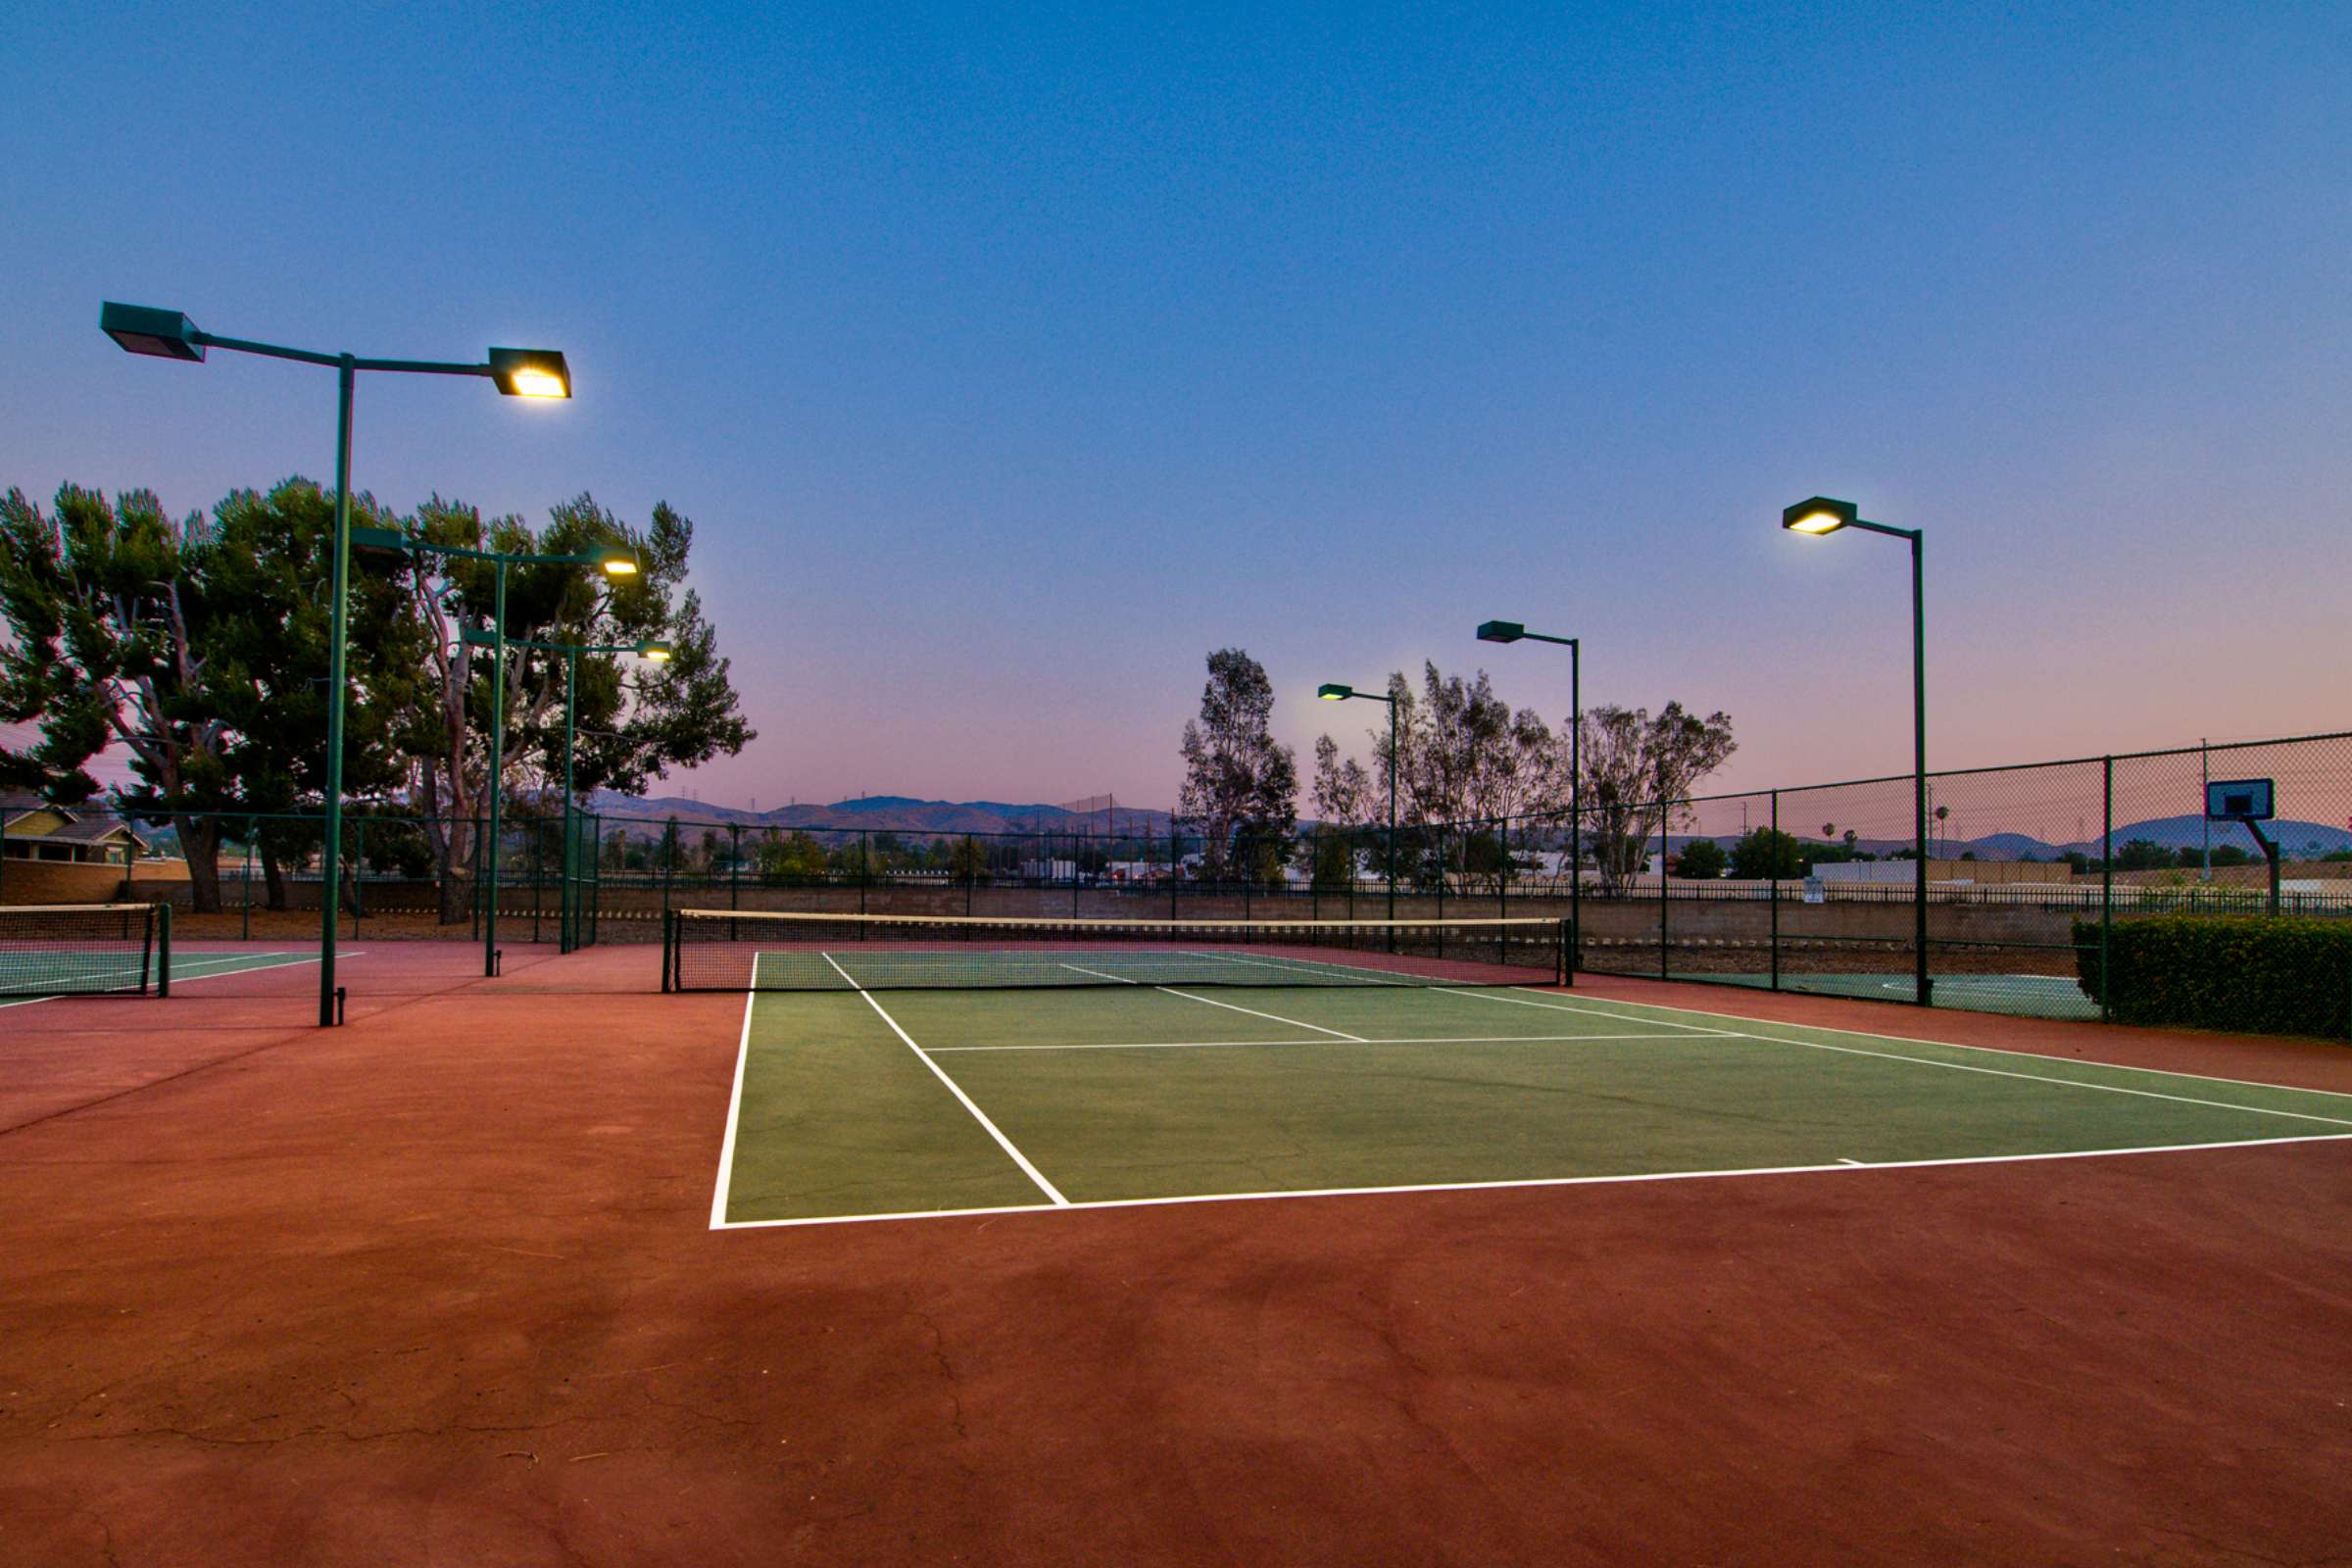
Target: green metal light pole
518, 372
1510, 632
615, 563
1820, 514
657, 652
1332, 692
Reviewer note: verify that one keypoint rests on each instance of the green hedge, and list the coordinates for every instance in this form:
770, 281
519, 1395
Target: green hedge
2245, 974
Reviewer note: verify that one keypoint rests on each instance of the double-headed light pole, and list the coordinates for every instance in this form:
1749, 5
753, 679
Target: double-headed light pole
1332, 692
1510, 632
615, 564
650, 650
518, 373
1822, 515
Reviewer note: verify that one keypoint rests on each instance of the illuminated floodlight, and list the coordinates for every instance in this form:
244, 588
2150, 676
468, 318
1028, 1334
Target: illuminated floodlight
1818, 515
530, 373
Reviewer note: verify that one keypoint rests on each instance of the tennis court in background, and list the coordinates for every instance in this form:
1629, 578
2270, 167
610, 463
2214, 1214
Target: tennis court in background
916, 1098
61, 950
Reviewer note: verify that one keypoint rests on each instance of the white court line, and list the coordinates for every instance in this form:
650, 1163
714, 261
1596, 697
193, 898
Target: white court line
1962, 1066
1839, 1169
955, 1089
1116, 979
1254, 1013
1221, 1045
726, 1146
1646, 1008
1355, 975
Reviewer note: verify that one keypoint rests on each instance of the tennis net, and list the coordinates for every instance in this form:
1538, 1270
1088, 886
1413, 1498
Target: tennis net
728, 950
57, 949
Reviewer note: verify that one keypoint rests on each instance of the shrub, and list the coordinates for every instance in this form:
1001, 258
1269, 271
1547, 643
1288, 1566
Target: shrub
1700, 857
2245, 974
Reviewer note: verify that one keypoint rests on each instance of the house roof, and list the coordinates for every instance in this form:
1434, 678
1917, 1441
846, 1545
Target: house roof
83, 824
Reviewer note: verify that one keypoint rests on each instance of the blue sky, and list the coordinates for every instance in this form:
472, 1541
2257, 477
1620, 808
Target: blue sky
1008, 364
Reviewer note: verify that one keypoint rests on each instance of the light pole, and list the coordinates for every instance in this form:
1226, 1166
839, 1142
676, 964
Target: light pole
518, 373
1332, 692
648, 649
1510, 632
615, 564
1822, 515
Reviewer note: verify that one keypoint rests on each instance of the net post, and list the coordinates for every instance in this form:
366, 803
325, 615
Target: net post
162, 950
668, 950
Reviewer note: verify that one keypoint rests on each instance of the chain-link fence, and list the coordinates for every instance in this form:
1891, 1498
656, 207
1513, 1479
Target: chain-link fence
2029, 871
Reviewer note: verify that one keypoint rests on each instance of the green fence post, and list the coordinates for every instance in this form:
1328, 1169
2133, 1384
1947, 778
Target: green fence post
2106, 884
1772, 863
669, 864
1665, 824
865, 867
538, 875
1502, 890
734, 865
1441, 836
358, 875
245, 918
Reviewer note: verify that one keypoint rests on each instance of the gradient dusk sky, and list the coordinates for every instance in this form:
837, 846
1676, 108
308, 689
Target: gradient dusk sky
1009, 363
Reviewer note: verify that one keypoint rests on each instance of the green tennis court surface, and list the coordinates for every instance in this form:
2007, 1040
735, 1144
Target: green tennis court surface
36, 977
860, 1104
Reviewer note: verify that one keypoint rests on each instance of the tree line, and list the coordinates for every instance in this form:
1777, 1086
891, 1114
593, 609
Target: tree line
199, 646
1463, 755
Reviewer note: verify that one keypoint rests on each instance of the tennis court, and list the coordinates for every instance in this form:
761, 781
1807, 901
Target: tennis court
1031, 1069
62, 949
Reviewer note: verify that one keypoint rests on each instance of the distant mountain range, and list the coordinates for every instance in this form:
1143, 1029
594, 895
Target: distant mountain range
894, 814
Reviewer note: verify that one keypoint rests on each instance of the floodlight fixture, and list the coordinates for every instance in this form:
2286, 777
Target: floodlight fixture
1818, 515
530, 373
1332, 692
144, 329
1501, 631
